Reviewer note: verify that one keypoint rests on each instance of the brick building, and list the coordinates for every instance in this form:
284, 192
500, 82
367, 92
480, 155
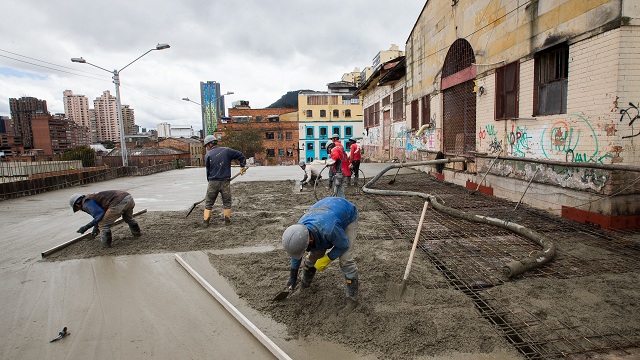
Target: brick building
187, 145
280, 129
57, 134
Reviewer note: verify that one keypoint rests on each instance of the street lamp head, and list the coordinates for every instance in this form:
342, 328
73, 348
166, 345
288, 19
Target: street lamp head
186, 99
162, 46
79, 60
229, 93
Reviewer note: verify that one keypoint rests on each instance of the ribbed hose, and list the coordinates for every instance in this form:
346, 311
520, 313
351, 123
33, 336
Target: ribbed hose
510, 269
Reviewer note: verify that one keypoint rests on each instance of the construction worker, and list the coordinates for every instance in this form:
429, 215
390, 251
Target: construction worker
218, 166
106, 207
327, 231
355, 154
311, 174
339, 163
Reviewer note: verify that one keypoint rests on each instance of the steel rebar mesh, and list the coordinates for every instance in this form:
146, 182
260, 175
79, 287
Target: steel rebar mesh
470, 256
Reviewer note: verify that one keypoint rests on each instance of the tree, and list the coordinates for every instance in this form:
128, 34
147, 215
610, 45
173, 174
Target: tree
248, 141
82, 152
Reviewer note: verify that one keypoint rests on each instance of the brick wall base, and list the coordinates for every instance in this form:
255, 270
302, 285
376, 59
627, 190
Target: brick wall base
483, 189
604, 221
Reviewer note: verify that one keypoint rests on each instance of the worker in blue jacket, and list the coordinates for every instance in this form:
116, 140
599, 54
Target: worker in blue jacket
106, 207
327, 231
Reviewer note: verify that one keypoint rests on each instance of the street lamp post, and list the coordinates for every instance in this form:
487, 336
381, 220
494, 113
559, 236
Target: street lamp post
202, 109
116, 80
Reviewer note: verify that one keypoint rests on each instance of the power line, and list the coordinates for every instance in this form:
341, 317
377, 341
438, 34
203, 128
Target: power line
48, 67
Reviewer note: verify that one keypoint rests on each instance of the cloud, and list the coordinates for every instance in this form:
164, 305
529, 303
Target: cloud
259, 49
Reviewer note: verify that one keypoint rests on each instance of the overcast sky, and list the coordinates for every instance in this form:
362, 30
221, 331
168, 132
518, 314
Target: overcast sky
259, 49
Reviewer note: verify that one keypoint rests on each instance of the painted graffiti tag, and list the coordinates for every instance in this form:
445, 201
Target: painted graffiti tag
495, 145
565, 138
628, 112
519, 140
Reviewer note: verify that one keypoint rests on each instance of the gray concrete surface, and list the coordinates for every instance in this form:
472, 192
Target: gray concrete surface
126, 307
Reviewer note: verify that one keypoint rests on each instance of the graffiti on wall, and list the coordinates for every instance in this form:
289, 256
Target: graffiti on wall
519, 141
489, 132
567, 139
632, 113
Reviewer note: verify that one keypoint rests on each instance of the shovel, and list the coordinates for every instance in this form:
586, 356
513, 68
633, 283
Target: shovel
396, 291
196, 203
283, 294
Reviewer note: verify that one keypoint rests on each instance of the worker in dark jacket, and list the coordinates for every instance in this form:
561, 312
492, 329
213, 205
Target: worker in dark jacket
106, 207
218, 165
327, 231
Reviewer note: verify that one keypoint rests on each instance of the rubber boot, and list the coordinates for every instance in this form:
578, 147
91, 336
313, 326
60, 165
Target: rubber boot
106, 238
352, 289
226, 213
307, 276
293, 278
135, 229
207, 215
330, 184
352, 296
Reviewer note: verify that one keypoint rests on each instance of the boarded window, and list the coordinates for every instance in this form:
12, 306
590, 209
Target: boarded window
323, 113
386, 100
336, 113
550, 81
507, 91
289, 135
376, 114
347, 113
414, 115
398, 100
426, 110
309, 113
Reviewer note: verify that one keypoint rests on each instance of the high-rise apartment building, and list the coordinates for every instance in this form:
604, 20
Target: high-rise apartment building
129, 118
212, 106
21, 112
76, 108
106, 110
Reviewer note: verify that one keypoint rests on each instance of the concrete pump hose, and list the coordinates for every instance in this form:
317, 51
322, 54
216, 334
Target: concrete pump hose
510, 269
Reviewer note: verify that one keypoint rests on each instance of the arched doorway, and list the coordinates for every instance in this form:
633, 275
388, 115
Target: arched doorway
459, 100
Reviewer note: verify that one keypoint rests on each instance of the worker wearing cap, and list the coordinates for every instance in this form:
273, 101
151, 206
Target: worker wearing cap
339, 162
218, 165
327, 231
106, 207
355, 155
311, 174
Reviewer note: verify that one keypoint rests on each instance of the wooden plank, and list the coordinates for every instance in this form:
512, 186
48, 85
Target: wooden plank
270, 345
83, 236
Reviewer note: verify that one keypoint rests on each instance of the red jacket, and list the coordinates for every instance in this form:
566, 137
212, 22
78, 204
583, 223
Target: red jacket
342, 161
355, 152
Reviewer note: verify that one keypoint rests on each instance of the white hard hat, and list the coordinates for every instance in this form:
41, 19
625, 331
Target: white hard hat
74, 199
295, 240
210, 139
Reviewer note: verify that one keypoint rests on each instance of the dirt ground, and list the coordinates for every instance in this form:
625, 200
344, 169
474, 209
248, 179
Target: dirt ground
434, 320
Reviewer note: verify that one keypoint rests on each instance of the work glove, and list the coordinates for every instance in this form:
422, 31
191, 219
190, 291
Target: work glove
95, 232
243, 170
322, 263
293, 279
84, 229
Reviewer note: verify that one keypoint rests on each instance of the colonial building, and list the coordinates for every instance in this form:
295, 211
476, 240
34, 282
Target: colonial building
187, 145
383, 101
322, 114
539, 97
